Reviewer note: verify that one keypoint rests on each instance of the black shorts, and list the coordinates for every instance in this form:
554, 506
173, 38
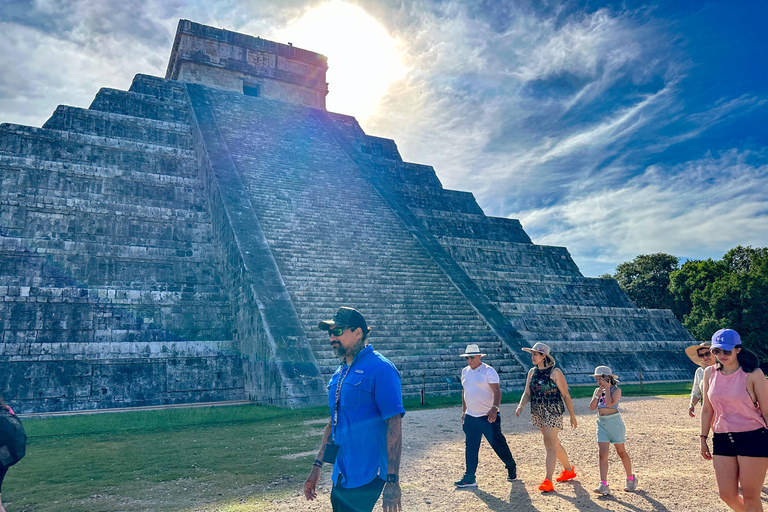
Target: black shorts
747, 444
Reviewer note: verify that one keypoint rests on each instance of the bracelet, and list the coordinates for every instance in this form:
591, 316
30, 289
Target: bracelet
318, 463
703, 436
495, 406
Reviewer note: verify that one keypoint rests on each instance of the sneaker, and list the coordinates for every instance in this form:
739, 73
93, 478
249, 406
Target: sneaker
631, 484
512, 474
602, 489
546, 486
567, 474
466, 482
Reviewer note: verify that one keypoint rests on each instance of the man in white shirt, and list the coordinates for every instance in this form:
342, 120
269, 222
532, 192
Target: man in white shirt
480, 401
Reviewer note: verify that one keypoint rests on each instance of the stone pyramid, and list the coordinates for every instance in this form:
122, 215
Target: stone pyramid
178, 242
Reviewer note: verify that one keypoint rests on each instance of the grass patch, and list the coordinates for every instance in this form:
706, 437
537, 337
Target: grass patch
184, 459
109, 462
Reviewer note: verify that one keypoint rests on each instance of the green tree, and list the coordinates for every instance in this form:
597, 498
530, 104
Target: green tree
692, 276
731, 293
646, 279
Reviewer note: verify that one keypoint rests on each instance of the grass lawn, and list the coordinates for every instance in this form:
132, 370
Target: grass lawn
184, 459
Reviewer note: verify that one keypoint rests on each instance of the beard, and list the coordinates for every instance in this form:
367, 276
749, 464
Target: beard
340, 351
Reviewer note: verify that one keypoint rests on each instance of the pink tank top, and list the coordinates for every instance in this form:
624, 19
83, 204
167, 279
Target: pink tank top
734, 410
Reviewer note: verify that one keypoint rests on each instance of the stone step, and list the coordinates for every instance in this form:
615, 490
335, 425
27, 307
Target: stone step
112, 125
574, 310
187, 251
73, 207
613, 336
52, 322
173, 273
105, 191
69, 147
69, 142
141, 105
158, 87
14, 166
18, 272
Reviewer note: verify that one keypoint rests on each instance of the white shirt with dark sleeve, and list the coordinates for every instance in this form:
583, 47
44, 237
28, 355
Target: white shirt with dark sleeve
697, 379
478, 394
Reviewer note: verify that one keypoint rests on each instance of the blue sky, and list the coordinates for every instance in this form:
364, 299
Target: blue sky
611, 128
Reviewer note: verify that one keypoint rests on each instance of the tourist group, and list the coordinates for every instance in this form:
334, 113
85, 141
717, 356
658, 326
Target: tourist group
363, 437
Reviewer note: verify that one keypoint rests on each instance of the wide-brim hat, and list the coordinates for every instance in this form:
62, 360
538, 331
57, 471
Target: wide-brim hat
693, 353
604, 370
472, 350
541, 349
345, 317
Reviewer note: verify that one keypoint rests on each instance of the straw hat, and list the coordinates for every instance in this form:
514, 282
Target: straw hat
604, 370
541, 349
472, 350
693, 353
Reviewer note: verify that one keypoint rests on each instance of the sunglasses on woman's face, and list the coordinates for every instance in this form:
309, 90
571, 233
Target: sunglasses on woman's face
718, 351
704, 355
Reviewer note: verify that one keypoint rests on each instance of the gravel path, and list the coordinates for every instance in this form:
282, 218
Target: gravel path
662, 441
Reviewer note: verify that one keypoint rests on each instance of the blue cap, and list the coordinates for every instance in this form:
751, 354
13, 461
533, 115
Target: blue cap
726, 339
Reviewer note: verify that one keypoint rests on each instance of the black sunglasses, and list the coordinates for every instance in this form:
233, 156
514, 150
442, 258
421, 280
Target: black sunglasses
718, 351
336, 331
702, 355
470, 357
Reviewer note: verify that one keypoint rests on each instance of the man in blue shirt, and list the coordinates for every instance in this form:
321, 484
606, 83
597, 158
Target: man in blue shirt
363, 438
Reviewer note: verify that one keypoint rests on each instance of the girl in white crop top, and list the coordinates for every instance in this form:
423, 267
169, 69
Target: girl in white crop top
610, 427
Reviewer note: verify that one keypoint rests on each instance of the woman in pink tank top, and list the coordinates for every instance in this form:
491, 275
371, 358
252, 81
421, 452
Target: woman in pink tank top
733, 390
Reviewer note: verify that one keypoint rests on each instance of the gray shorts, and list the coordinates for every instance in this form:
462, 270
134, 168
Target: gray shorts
611, 429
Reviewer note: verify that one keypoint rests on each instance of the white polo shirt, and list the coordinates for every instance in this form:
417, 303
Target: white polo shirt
478, 394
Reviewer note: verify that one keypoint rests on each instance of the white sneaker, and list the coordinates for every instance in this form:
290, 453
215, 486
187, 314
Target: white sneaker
631, 484
602, 489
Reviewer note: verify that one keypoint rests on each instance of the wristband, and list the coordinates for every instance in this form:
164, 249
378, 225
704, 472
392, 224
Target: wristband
495, 407
392, 478
318, 463
703, 436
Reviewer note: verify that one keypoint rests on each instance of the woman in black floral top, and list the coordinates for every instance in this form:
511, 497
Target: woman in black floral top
547, 391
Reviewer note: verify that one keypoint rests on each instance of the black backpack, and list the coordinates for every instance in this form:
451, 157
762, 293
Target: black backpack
13, 439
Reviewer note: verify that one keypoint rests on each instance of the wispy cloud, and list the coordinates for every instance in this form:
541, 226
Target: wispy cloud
581, 122
691, 210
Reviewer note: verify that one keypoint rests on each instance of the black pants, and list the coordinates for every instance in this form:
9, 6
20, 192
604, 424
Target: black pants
357, 499
475, 429
3, 471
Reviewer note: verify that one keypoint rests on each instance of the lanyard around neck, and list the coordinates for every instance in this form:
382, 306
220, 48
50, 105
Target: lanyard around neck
336, 406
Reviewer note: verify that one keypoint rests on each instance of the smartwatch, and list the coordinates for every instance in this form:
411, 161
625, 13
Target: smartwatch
392, 478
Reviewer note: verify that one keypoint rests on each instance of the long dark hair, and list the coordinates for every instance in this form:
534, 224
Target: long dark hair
747, 360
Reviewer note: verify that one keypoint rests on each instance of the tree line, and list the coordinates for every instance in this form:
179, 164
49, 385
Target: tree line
705, 295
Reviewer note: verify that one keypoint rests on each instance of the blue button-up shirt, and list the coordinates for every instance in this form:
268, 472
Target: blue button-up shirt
370, 395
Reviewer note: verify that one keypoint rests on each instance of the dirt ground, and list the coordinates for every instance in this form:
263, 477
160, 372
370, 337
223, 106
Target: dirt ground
662, 441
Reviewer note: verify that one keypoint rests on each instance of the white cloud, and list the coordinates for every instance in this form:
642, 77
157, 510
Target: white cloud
698, 209
480, 121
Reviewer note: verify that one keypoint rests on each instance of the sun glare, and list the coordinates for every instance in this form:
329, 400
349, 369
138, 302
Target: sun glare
363, 59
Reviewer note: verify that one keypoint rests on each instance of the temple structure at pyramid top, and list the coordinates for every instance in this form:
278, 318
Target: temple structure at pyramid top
250, 65
178, 242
